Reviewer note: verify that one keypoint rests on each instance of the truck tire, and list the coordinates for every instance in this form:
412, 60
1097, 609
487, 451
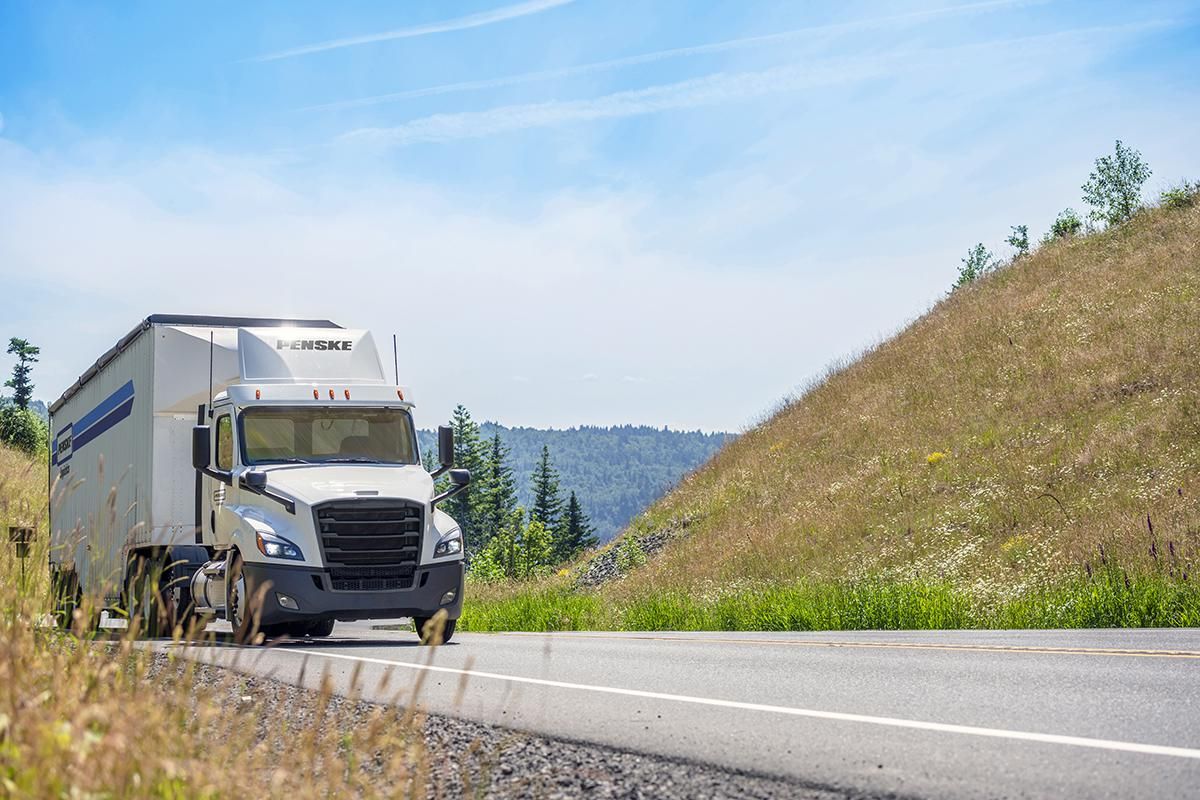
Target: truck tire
320, 629
150, 604
447, 629
65, 594
242, 621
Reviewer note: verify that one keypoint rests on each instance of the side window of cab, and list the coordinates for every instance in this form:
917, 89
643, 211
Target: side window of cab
225, 442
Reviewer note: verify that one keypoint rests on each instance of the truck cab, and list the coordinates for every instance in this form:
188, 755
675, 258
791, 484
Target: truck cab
313, 495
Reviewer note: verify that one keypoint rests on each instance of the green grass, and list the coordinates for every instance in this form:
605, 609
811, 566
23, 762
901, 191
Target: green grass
1106, 599
545, 608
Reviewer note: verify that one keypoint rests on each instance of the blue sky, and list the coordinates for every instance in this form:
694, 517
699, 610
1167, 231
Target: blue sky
571, 212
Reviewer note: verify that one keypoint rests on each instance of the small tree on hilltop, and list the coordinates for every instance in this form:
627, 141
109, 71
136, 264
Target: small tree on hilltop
1114, 189
1019, 240
22, 386
978, 261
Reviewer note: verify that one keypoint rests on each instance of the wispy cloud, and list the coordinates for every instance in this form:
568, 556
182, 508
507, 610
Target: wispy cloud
677, 52
445, 26
712, 89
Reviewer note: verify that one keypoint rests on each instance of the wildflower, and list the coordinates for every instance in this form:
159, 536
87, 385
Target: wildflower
934, 458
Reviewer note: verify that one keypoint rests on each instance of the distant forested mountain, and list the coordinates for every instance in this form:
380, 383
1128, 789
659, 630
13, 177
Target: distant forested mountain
616, 472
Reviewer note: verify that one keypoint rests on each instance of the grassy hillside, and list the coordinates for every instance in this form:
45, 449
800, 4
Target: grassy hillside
1030, 443
616, 472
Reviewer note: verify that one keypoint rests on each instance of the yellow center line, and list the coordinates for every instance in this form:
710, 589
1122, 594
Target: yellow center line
975, 648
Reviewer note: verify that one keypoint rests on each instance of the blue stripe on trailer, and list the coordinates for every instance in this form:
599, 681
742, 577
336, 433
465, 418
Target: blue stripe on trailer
114, 408
106, 407
118, 414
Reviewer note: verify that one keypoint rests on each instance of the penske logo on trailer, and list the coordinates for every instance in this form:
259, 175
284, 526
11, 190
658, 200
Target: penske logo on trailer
74, 436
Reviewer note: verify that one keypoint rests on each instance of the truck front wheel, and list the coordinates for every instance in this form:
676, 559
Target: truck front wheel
237, 603
427, 632
321, 629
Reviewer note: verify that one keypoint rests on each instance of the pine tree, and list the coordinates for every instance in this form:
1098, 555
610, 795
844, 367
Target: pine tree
547, 503
27, 356
468, 454
577, 533
499, 491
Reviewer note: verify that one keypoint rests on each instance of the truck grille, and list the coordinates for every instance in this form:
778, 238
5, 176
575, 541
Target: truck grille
370, 545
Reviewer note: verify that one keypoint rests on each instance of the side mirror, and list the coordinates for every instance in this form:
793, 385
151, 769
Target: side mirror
201, 447
459, 478
255, 480
446, 446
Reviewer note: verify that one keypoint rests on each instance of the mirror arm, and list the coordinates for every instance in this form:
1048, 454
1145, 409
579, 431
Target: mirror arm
440, 471
446, 495
288, 504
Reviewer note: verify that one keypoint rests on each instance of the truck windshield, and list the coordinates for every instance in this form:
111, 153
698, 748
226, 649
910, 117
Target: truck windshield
327, 435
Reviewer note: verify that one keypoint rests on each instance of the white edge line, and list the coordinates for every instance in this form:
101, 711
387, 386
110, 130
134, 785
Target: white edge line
940, 727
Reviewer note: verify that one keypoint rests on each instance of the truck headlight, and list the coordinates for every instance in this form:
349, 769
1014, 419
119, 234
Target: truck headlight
449, 545
274, 546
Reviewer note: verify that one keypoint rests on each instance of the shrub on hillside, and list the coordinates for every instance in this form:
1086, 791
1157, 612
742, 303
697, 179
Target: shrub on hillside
978, 261
1019, 240
1114, 189
23, 429
1065, 225
1182, 196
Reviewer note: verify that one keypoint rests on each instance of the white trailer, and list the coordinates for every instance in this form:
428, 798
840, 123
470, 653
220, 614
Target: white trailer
263, 470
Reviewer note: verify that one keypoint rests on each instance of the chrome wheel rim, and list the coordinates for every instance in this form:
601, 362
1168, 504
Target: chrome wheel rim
238, 604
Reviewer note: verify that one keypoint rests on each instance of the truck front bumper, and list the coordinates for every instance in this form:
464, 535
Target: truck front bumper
311, 591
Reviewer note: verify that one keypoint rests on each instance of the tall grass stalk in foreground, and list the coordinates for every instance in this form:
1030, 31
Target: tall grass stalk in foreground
84, 714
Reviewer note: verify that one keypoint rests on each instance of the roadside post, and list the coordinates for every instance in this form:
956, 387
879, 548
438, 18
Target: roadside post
21, 538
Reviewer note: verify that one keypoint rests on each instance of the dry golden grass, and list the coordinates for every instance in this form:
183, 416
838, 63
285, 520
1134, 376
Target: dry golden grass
84, 717
994, 445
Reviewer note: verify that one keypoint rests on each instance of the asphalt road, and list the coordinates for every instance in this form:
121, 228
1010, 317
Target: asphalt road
930, 714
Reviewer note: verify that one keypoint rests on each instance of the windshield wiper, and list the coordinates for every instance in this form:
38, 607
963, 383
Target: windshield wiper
349, 460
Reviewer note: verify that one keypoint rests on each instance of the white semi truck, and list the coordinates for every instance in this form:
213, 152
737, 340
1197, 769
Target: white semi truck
261, 470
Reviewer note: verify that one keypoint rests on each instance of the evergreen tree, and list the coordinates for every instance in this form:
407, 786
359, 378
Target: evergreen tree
547, 504
19, 382
468, 454
499, 491
577, 532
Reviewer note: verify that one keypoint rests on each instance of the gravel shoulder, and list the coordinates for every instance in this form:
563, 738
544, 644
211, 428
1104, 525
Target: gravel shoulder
469, 759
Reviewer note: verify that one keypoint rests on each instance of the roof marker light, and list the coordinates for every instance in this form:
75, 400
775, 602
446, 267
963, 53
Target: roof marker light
315, 395
258, 394
347, 394
400, 394
331, 394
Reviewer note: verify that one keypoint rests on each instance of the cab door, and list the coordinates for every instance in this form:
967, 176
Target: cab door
218, 494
